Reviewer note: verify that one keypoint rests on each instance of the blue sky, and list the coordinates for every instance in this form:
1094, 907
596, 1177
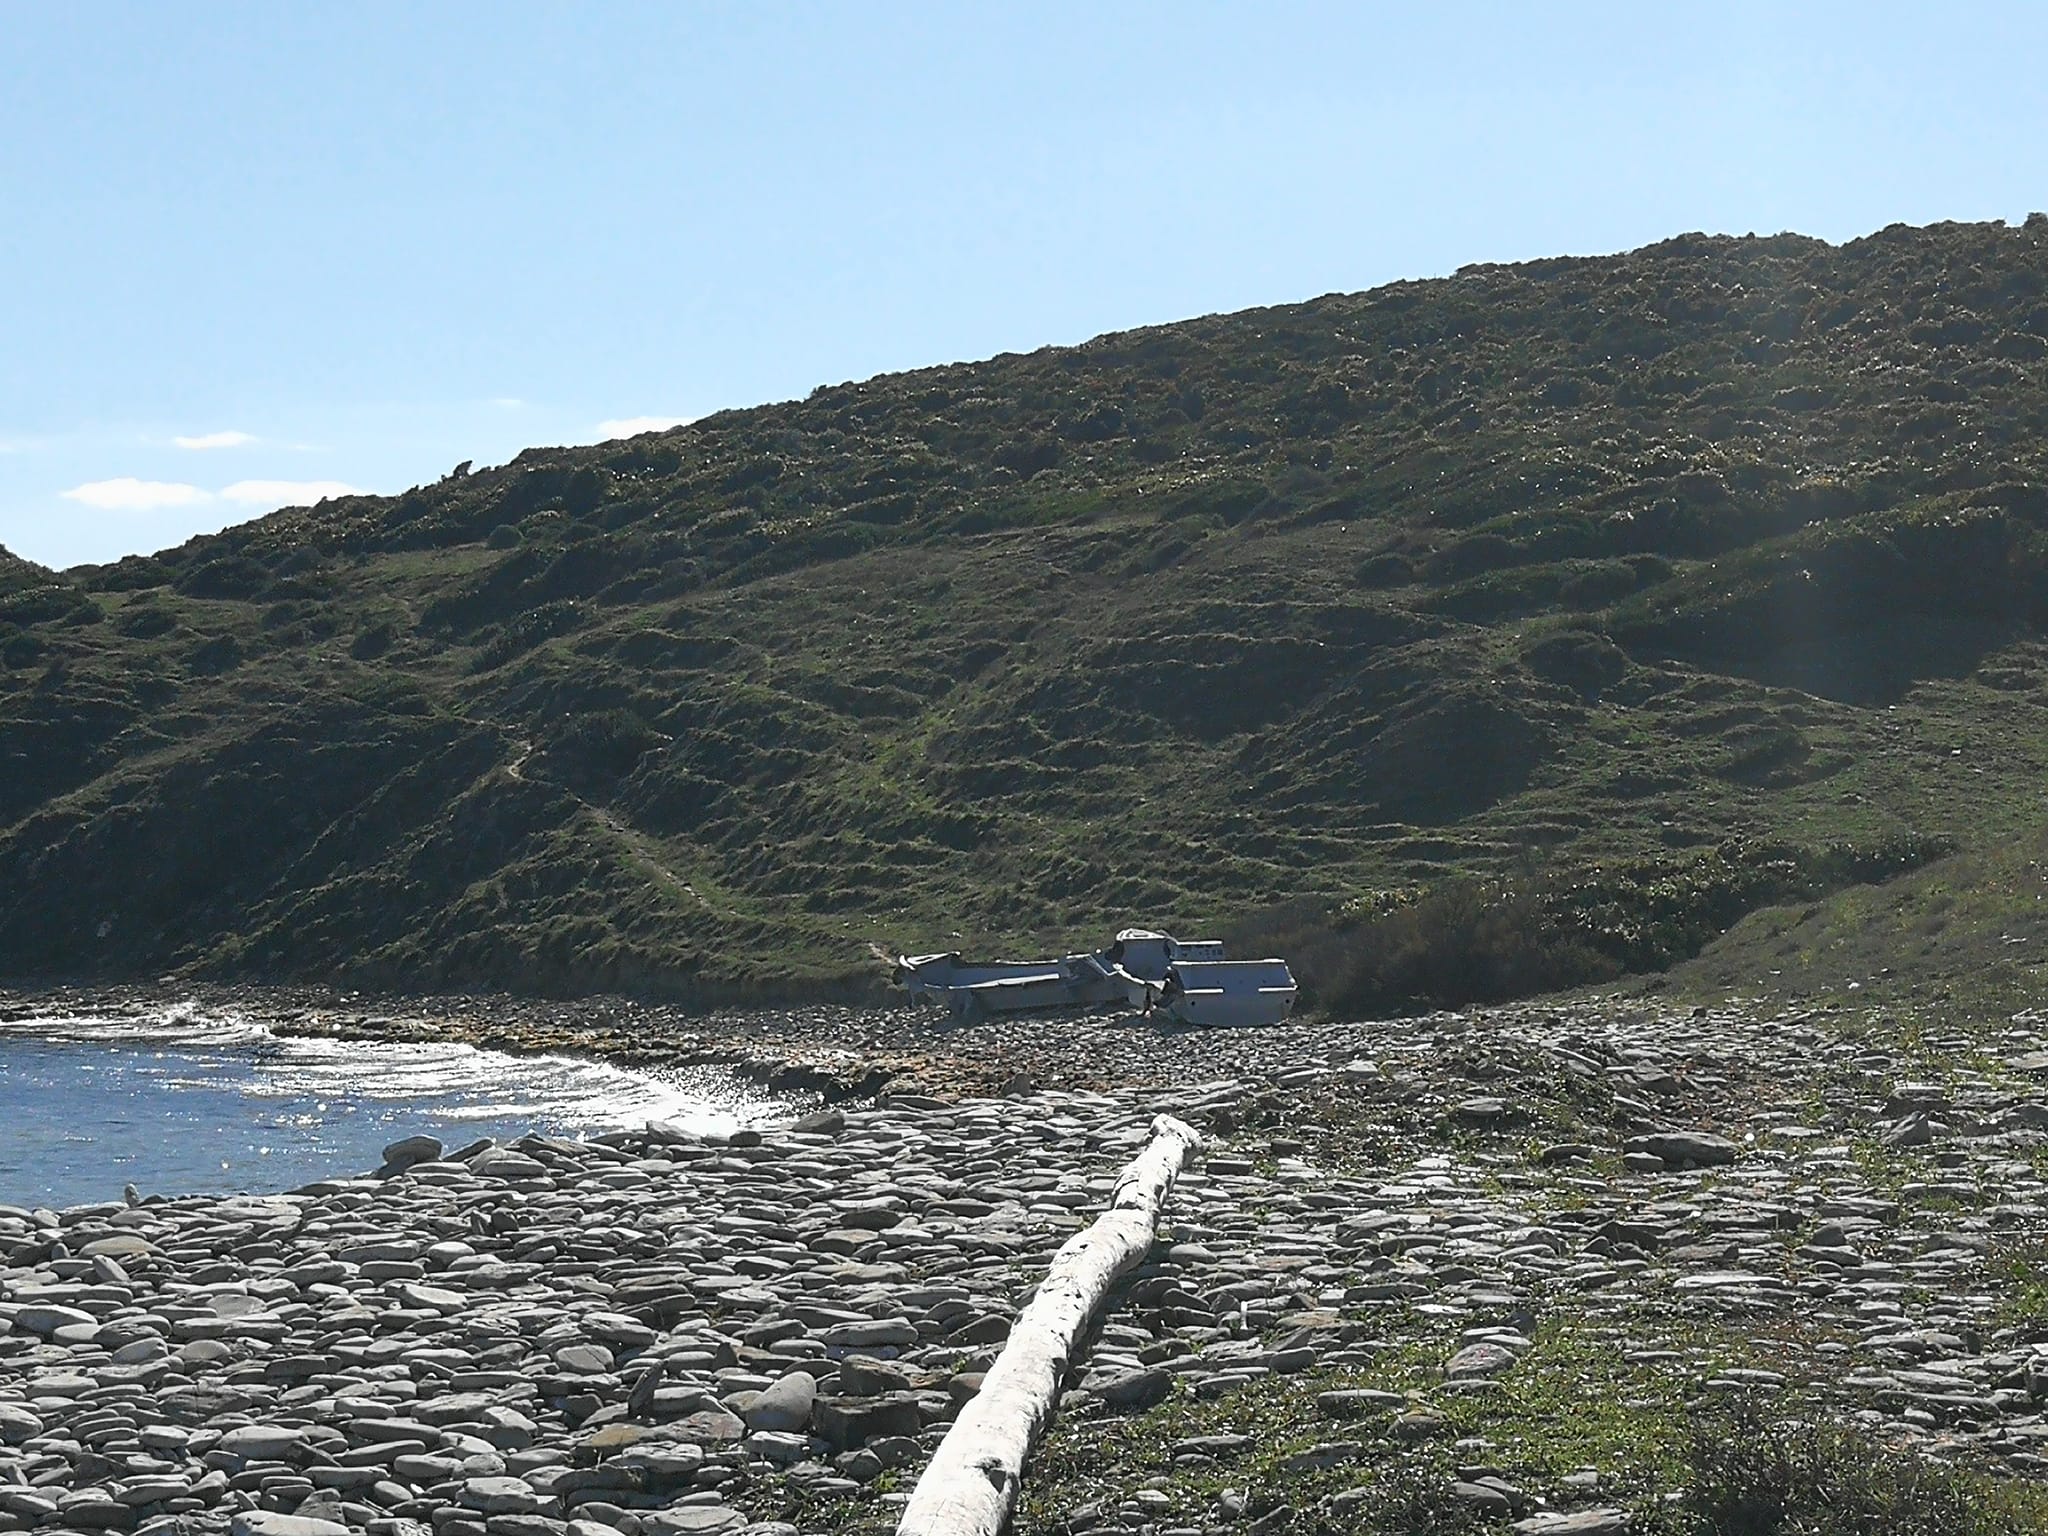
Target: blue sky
250, 252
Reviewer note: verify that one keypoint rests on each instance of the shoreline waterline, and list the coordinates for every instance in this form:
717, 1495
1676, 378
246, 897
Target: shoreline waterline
192, 1099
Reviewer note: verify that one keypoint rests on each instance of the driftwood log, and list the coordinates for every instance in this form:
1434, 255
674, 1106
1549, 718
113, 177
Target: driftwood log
970, 1488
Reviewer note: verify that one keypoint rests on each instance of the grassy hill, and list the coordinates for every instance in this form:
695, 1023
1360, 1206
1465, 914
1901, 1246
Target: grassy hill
17, 574
1966, 936
1664, 585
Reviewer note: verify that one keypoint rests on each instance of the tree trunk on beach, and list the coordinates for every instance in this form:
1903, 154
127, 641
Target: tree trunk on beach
971, 1486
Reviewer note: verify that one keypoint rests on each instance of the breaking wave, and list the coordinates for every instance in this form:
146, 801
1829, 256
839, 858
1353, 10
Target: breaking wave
185, 1099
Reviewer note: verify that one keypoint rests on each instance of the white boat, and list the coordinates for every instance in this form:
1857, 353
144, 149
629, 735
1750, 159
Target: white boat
1228, 991
1188, 979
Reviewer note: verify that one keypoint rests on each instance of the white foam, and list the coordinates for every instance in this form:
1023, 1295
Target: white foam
557, 1093
182, 1025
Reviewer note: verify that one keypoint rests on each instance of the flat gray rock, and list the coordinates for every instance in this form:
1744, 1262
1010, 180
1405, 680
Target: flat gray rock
1685, 1149
46, 1320
408, 1150
1480, 1111
265, 1442
259, 1522
584, 1359
692, 1520
1134, 1389
1583, 1522
783, 1405
880, 1333
1478, 1361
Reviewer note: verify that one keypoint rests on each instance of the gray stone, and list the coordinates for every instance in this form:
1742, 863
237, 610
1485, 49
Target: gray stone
987, 1328
873, 1334
264, 1442
1913, 1131
93, 1509
1483, 1497
497, 1164
784, 1405
408, 1150
1331, 1453
261, 1522
1583, 1522
1685, 1149
1479, 1360
693, 1520
505, 1496
26, 1503
431, 1298
779, 1446
1134, 1389
860, 1376
711, 1426
584, 1359
848, 1423
388, 1249
46, 1320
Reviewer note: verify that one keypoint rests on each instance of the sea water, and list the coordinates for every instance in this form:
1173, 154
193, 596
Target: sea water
185, 1102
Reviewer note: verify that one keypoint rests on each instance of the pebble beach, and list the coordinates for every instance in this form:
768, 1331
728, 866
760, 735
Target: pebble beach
656, 1331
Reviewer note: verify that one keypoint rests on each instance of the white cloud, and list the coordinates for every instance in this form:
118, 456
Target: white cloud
216, 440
128, 494
633, 426
131, 495
286, 493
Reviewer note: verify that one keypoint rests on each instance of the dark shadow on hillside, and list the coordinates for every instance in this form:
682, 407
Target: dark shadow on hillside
1452, 759
1881, 663
1869, 665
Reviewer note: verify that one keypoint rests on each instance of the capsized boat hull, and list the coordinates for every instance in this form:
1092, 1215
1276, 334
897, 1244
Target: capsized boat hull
976, 991
1190, 980
1229, 993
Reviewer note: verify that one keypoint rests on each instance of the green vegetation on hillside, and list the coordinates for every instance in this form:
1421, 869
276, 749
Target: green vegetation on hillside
1465, 941
1521, 577
1967, 934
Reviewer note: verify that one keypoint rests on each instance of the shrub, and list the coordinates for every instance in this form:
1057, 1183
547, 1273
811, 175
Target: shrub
228, 576
223, 653
591, 753
1752, 1477
1464, 943
521, 634
1409, 1501
1469, 942
1028, 455
145, 621
373, 641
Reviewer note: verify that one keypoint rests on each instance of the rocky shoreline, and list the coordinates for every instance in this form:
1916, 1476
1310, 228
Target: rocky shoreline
1404, 1244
